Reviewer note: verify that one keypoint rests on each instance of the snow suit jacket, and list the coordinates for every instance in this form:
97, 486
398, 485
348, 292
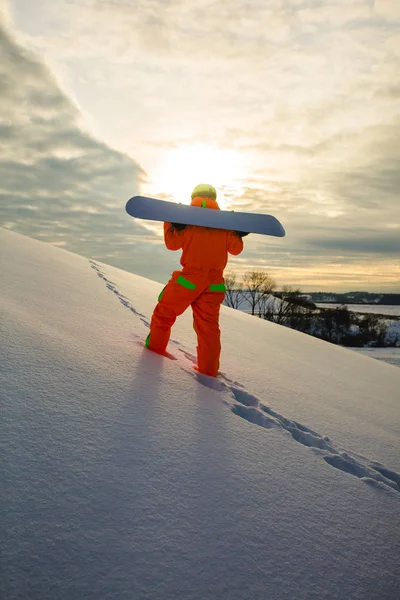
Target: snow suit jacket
204, 248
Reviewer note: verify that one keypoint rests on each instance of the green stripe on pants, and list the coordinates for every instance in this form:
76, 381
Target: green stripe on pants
217, 287
186, 283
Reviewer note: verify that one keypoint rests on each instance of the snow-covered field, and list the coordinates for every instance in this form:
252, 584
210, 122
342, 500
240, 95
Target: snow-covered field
389, 355
127, 475
388, 310
376, 309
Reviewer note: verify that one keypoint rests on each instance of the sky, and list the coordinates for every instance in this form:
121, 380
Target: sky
289, 107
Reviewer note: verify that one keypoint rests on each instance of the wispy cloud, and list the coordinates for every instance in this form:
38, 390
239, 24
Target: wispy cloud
57, 182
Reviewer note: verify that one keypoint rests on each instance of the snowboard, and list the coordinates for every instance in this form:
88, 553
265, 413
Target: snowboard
152, 209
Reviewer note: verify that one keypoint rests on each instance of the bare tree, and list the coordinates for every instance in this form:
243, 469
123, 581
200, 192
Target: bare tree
256, 286
294, 310
267, 307
233, 291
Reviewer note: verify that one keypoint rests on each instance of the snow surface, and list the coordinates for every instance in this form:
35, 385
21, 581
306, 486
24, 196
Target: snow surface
389, 355
128, 475
375, 309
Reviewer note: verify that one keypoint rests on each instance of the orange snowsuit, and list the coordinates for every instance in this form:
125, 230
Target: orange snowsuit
200, 284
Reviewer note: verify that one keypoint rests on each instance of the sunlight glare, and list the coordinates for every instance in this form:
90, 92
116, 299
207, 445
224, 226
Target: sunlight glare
185, 167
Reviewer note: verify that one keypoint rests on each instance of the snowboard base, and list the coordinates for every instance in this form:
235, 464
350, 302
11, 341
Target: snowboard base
152, 209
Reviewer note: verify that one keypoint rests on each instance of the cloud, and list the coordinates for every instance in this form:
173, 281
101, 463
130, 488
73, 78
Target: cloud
57, 182
387, 8
365, 243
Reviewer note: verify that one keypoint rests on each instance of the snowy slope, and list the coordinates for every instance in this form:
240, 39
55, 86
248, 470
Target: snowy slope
127, 475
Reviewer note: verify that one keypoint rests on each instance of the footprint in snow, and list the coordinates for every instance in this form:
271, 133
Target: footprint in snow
124, 301
221, 376
253, 410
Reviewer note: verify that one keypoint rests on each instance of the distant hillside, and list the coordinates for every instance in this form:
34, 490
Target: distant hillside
390, 299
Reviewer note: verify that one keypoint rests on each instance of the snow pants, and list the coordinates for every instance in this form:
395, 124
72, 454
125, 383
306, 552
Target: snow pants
204, 291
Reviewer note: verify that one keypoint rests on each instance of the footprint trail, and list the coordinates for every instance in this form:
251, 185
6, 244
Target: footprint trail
124, 301
255, 411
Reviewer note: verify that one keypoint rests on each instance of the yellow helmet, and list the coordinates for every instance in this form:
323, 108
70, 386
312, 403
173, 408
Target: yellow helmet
204, 190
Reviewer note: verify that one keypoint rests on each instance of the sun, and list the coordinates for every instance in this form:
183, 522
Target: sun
183, 168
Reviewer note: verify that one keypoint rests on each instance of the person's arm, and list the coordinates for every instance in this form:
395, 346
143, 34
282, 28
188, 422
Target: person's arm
235, 243
172, 237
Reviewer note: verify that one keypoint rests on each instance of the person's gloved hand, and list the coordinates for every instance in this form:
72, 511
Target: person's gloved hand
242, 233
179, 226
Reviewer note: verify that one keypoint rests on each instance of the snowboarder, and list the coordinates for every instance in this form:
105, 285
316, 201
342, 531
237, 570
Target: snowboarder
200, 284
